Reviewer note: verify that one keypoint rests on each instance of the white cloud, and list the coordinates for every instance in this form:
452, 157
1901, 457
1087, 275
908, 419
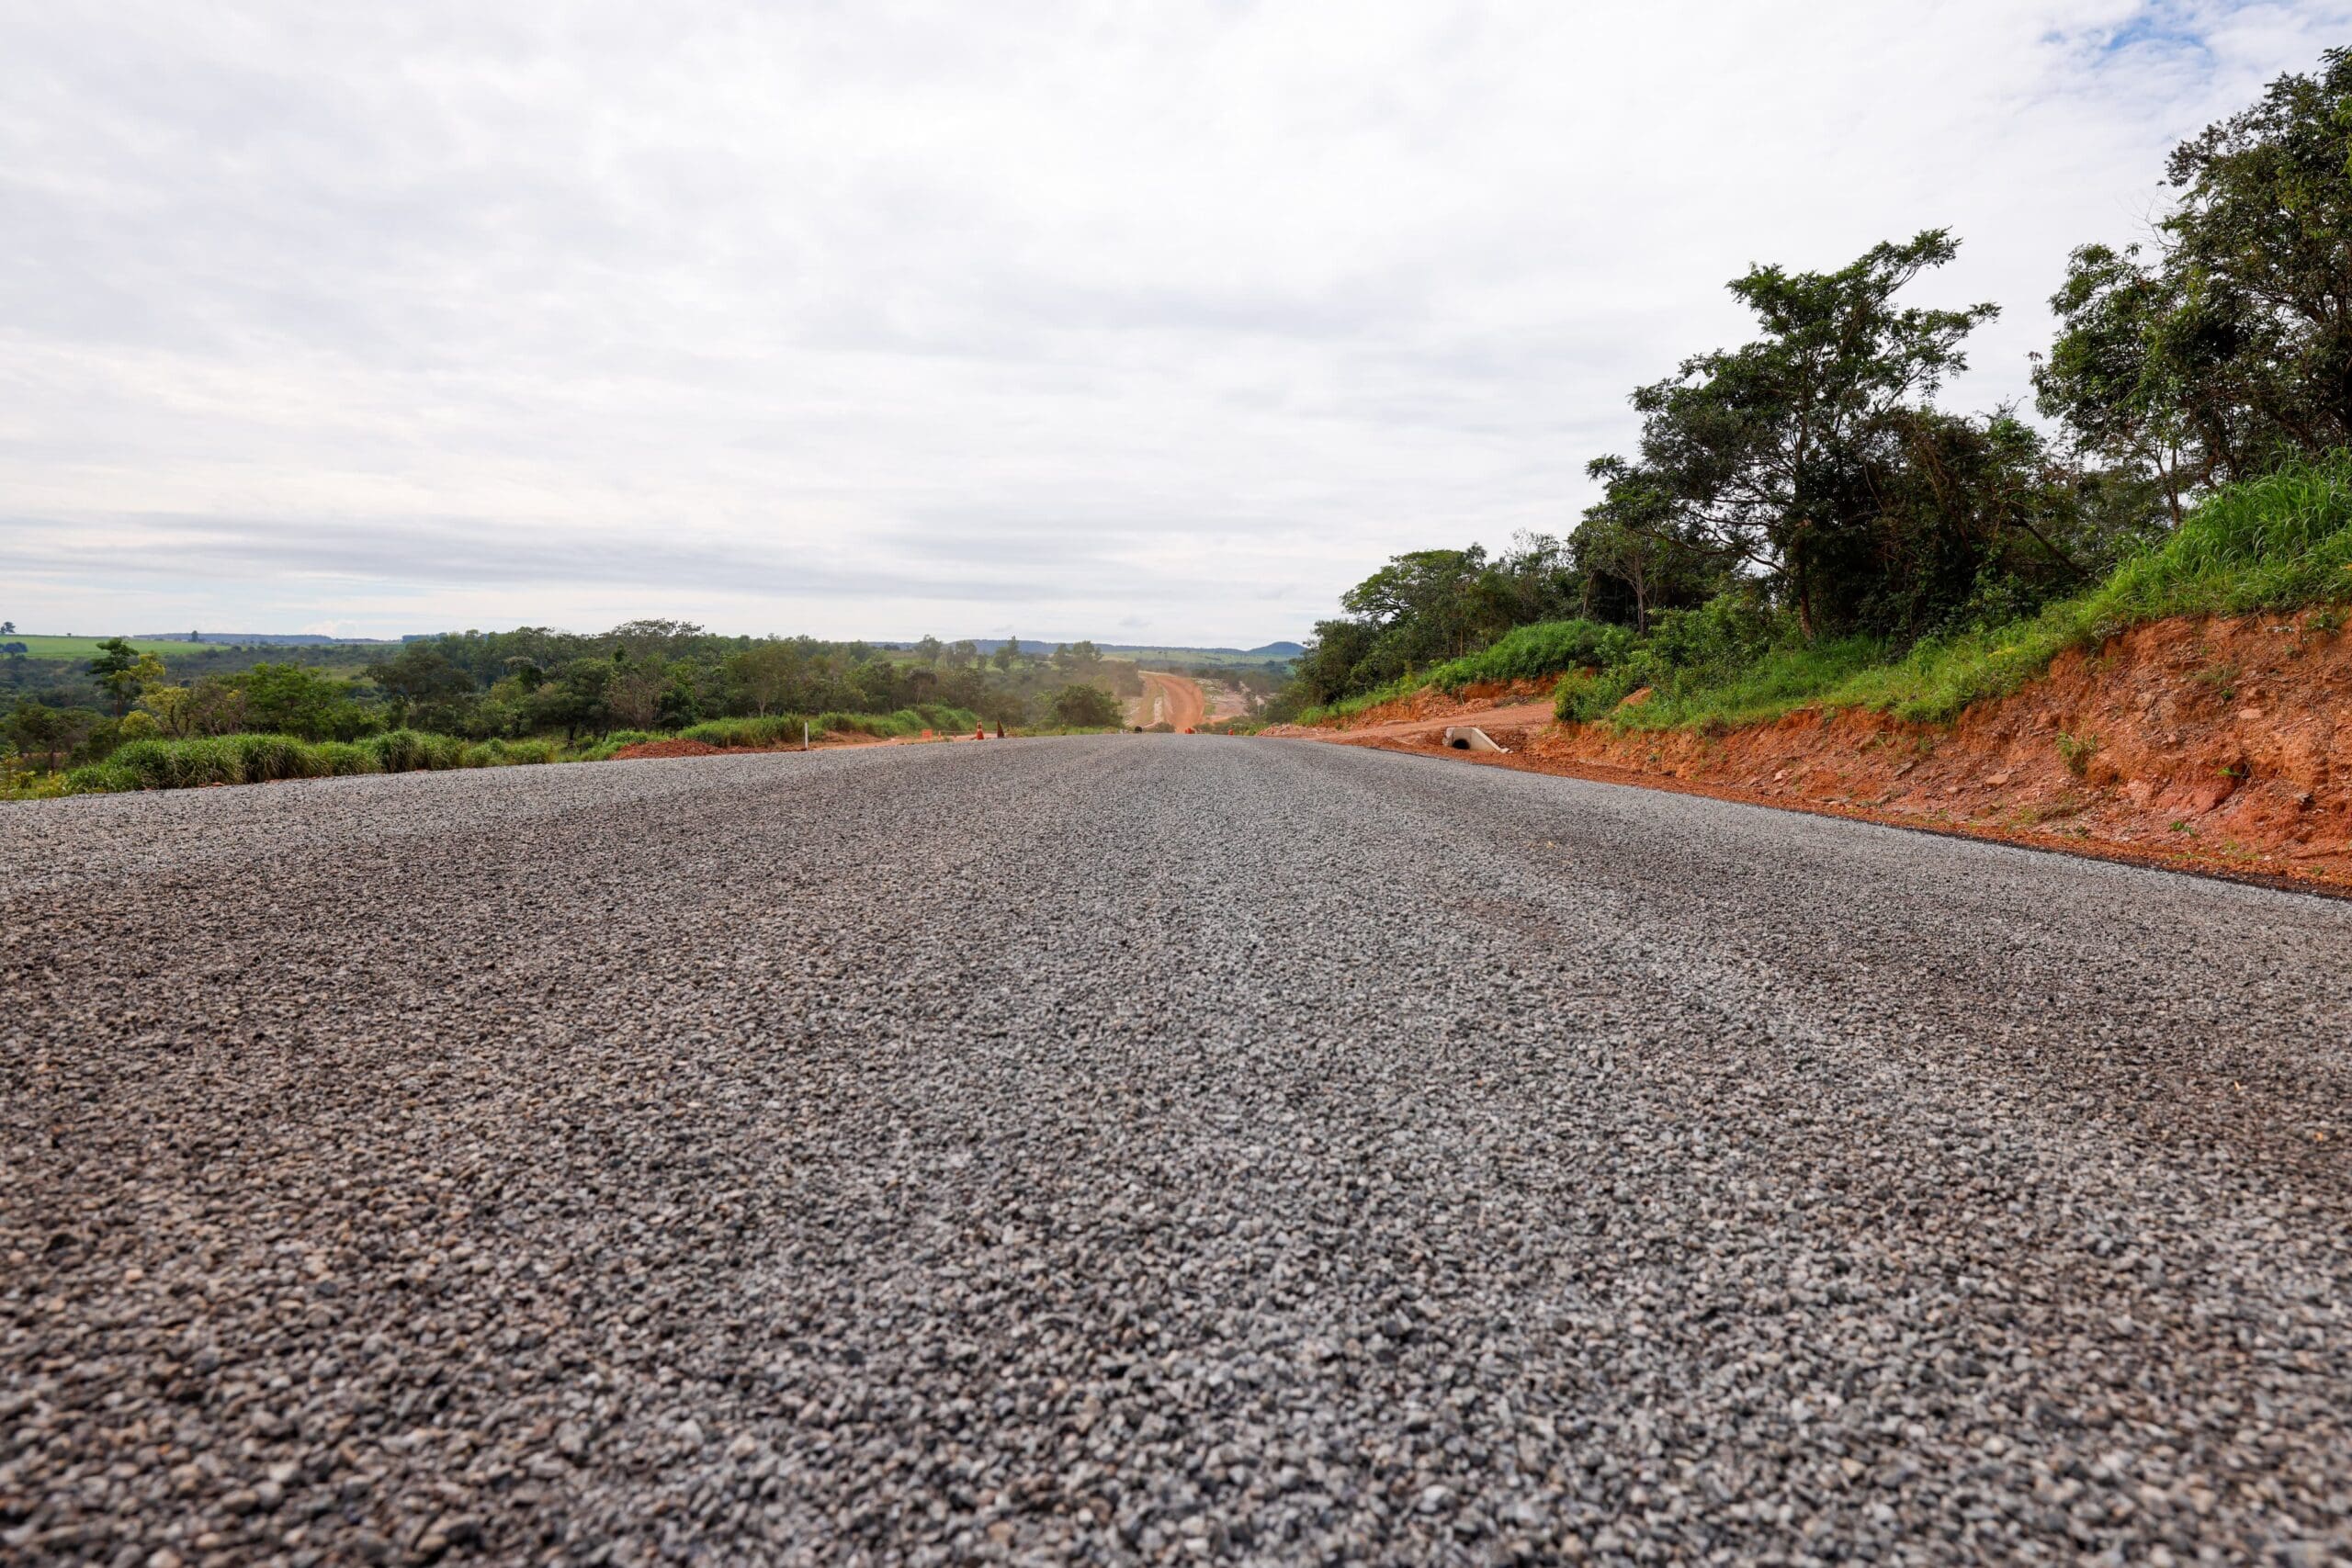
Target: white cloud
1164, 321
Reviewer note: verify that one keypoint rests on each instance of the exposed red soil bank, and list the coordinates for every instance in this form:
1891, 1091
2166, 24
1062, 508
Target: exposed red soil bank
2220, 745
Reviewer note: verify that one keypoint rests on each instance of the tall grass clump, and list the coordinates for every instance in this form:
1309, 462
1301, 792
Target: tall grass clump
415, 750
343, 759
181, 764
1532, 653
204, 759
498, 753
772, 729
264, 759
2275, 543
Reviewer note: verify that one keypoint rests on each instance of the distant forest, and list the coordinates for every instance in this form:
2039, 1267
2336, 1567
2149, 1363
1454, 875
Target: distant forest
650, 676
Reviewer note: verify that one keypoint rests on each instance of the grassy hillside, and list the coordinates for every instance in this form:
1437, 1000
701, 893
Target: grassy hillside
2280, 542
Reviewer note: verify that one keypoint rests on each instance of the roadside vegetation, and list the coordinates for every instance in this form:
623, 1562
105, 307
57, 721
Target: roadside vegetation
135, 717
1801, 525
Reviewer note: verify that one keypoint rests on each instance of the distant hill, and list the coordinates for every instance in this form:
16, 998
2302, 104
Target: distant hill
263, 640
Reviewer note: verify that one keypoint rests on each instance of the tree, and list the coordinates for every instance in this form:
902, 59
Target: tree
35, 728
634, 695
765, 675
293, 699
7, 628
2230, 346
1634, 538
1771, 449
928, 650
213, 706
419, 677
654, 637
573, 698
1085, 707
1008, 653
117, 668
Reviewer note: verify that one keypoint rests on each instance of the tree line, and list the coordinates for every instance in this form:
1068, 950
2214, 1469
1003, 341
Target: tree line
649, 675
1805, 484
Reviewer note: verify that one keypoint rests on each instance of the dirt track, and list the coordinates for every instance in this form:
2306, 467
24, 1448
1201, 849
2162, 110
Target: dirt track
1176, 699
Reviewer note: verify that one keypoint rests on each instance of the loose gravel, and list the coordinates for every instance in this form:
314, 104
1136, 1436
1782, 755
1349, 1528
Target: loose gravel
1150, 1149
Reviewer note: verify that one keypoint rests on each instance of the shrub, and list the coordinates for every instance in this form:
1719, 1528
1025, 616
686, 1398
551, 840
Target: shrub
2077, 751
1085, 707
101, 778
37, 785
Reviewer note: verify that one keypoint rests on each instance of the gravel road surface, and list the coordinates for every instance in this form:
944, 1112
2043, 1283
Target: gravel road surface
775, 1158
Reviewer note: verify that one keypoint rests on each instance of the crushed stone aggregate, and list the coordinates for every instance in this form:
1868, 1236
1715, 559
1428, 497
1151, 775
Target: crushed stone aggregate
1151, 1149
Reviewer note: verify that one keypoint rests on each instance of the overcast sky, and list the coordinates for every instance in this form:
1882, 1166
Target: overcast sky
1147, 322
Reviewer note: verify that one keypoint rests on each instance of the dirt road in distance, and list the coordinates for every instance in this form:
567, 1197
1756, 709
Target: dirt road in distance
1173, 699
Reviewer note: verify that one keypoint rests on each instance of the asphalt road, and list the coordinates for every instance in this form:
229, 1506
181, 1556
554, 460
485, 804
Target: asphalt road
780, 1158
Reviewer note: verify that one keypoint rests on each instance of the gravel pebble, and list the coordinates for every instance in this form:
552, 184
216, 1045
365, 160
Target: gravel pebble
1150, 1149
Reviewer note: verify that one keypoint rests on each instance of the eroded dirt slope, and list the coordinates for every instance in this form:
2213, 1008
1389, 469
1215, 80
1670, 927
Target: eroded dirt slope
2219, 743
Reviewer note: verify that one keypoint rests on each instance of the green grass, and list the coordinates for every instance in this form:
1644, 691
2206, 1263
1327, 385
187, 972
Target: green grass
87, 648
1780, 681
1532, 653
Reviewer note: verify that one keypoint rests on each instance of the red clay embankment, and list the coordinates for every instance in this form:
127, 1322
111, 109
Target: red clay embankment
2220, 745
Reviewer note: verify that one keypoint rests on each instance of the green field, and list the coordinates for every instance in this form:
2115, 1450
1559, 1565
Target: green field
87, 647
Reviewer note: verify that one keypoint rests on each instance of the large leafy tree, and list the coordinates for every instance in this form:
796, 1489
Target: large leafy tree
1774, 451
2227, 343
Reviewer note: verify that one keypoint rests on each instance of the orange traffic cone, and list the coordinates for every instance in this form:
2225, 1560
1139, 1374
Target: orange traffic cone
979, 732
